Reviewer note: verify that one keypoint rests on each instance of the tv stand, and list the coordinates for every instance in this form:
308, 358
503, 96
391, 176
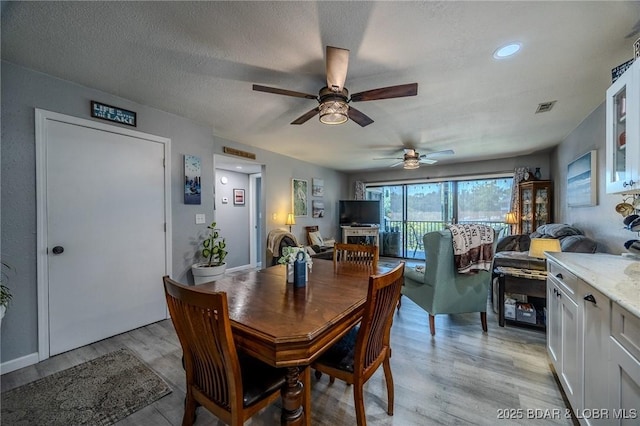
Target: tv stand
372, 231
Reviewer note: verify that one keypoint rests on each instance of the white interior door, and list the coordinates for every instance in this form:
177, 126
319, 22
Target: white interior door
105, 208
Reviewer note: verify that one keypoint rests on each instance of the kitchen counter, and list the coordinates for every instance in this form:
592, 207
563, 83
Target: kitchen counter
616, 277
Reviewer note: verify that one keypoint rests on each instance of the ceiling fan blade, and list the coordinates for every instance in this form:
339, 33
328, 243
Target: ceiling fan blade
360, 118
432, 154
427, 161
266, 89
306, 116
396, 164
400, 91
337, 65
387, 158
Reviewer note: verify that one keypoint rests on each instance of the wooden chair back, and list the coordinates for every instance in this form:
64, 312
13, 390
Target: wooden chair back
357, 254
372, 344
211, 363
371, 347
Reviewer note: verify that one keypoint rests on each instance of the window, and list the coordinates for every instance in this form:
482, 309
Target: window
412, 210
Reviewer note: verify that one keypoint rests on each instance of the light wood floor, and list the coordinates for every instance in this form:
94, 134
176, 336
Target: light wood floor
459, 377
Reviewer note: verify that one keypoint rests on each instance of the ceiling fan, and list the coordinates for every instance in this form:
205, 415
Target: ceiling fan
412, 159
333, 99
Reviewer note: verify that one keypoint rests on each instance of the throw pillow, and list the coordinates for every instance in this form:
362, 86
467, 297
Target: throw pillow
316, 238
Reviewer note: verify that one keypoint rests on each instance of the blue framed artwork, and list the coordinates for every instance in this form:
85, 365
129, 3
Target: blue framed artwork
192, 172
581, 181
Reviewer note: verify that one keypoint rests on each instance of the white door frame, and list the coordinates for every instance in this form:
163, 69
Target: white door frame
254, 220
41, 119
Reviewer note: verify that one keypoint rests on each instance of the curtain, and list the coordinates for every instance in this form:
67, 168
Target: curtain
518, 176
359, 190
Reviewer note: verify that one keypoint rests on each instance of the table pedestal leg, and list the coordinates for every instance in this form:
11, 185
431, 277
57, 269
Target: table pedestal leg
292, 412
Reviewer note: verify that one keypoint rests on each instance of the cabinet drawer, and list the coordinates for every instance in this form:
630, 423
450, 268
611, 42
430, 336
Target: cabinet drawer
565, 279
625, 328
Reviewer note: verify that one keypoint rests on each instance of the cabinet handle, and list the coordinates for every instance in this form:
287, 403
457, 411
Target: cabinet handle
631, 183
589, 298
559, 276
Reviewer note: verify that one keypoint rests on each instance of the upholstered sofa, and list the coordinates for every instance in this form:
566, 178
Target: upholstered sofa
513, 250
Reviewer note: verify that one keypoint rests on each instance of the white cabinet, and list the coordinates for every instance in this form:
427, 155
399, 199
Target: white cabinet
596, 329
623, 133
563, 331
624, 367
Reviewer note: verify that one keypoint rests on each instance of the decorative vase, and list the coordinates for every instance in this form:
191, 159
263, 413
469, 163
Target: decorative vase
204, 274
291, 274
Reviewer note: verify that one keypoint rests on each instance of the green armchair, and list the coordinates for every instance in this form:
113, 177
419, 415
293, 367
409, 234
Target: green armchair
440, 289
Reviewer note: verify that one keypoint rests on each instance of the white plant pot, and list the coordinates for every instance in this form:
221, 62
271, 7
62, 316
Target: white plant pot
204, 274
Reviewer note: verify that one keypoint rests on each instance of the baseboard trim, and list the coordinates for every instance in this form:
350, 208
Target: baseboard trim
239, 268
18, 363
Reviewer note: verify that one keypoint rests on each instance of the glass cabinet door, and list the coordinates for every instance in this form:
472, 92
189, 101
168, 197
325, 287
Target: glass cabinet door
527, 210
623, 132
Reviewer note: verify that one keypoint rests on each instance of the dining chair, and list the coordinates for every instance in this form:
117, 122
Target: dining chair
360, 352
230, 384
357, 254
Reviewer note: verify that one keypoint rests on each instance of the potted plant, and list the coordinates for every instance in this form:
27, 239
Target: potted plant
214, 253
5, 294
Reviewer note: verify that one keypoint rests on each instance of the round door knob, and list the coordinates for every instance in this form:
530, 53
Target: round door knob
58, 250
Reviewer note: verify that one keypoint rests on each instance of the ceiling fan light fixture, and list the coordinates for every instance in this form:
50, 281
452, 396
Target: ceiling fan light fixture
334, 112
411, 163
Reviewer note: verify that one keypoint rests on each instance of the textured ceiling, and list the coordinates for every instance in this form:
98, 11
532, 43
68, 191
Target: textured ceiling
200, 59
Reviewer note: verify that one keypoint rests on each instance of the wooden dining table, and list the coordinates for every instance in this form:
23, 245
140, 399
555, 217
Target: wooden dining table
289, 327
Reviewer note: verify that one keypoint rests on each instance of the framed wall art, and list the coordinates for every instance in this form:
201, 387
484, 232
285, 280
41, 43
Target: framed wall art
299, 197
238, 197
317, 187
581, 180
317, 208
192, 174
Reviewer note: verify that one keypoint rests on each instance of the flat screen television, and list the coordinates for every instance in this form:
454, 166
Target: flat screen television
359, 212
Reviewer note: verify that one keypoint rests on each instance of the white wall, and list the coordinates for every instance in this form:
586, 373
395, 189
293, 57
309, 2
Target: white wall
23, 90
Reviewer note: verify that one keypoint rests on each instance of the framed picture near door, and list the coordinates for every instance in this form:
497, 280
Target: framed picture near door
300, 196
238, 197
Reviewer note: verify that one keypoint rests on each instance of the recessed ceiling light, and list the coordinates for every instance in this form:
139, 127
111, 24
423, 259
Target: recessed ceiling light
507, 50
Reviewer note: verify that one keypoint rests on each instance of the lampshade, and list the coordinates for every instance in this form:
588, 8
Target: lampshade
540, 245
291, 220
510, 218
333, 112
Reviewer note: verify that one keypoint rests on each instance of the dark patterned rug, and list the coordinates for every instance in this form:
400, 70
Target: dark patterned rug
97, 392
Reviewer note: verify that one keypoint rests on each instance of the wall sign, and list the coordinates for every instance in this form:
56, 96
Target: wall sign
111, 113
238, 153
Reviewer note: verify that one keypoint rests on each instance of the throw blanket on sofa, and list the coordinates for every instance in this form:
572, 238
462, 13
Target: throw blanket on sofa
472, 248
274, 238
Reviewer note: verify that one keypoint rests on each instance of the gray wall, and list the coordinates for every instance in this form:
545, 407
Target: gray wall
233, 219
600, 222
23, 90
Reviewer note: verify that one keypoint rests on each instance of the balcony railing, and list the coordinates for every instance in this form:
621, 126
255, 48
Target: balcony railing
415, 230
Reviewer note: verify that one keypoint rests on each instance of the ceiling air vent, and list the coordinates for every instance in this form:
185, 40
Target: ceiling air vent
545, 106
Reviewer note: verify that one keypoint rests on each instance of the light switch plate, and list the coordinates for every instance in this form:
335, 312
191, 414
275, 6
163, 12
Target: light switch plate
200, 218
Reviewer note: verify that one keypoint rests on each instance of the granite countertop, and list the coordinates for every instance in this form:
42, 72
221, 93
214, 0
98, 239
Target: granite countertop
616, 277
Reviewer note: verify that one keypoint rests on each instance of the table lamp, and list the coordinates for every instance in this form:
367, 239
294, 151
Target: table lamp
540, 245
510, 219
291, 220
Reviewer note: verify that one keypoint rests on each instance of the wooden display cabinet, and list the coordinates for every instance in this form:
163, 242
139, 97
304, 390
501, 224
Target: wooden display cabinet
535, 205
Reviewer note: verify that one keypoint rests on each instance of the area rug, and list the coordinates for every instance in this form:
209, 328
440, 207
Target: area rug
97, 392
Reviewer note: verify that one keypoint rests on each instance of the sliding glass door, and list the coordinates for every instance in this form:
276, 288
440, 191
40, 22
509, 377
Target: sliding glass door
412, 210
